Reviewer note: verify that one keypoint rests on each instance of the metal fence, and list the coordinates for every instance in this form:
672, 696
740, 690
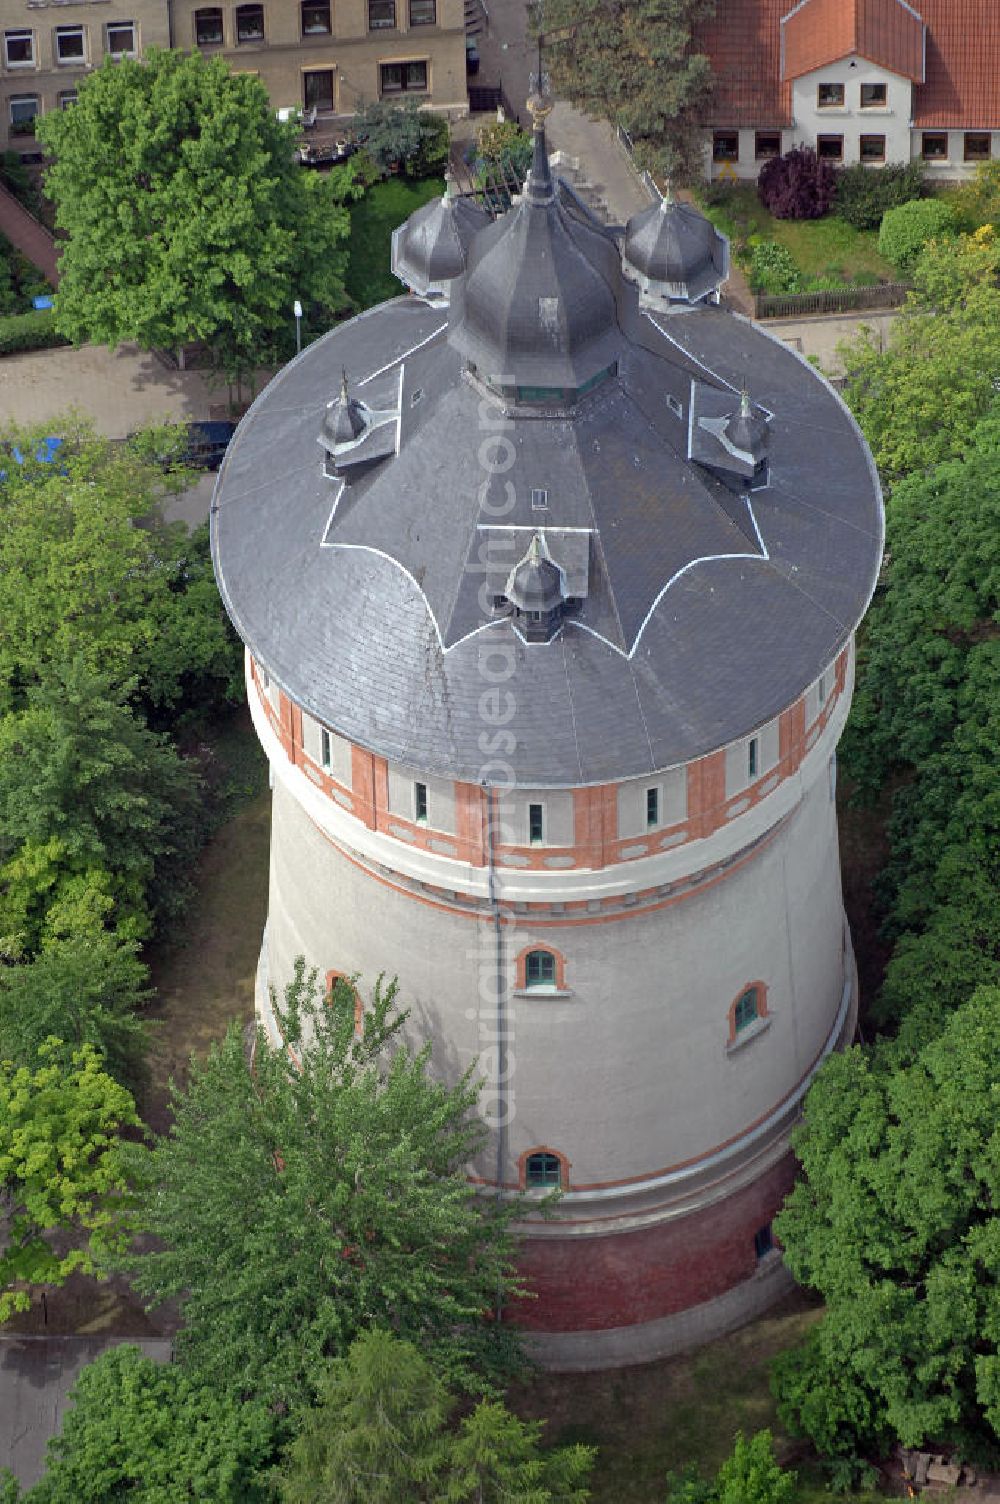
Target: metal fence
642, 177
798, 305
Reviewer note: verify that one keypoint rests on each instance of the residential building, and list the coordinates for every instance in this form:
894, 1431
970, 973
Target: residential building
871, 81
549, 605
331, 56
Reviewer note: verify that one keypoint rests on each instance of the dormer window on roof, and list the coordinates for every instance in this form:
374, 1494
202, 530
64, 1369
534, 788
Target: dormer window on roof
535, 590
731, 441
354, 434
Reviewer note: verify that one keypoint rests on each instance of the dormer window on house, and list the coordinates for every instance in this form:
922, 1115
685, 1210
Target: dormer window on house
874, 96
830, 96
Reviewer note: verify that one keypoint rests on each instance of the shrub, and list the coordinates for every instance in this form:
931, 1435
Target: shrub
798, 185
865, 193
29, 331
505, 146
906, 230
977, 202
404, 136
772, 268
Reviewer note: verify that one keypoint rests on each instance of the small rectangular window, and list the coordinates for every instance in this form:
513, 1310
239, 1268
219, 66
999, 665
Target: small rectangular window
675, 406
752, 759
763, 1241
381, 14
821, 690
539, 500
70, 44
726, 146
23, 110
121, 38
934, 146
872, 149
423, 12
317, 90
19, 49
536, 825
67, 98
208, 27
324, 750
420, 803
404, 78
315, 18
767, 144
976, 146
249, 23
873, 96
830, 148
747, 1010
829, 96
652, 807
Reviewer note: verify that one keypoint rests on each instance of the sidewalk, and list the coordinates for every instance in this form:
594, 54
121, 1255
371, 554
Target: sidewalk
31, 238
119, 390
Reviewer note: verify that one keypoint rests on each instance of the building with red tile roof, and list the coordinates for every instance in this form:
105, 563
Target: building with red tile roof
860, 80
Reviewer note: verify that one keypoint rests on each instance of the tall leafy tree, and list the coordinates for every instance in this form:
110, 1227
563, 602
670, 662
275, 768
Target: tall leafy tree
927, 716
143, 1431
186, 215
894, 1221
919, 399
61, 1169
751, 1474
89, 570
344, 1202
634, 62
383, 1430
86, 789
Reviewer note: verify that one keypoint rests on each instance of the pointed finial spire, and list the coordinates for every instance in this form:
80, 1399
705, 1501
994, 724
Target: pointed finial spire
745, 408
345, 395
535, 548
668, 193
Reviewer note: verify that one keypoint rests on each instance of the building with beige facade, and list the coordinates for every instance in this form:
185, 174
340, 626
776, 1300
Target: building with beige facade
327, 56
549, 612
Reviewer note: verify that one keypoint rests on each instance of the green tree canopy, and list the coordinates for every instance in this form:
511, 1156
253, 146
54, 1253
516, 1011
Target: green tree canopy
927, 715
633, 62
380, 1432
344, 1202
919, 400
894, 1221
88, 795
749, 1475
187, 216
61, 1168
143, 1431
89, 570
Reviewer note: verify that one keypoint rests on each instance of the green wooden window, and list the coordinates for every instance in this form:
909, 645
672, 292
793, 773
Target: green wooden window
747, 1009
752, 758
763, 1241
536, 825
652, 807
543, 1169
324, 749
420, 803
540, 969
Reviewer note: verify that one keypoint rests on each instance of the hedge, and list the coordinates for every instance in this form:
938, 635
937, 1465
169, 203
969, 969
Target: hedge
29, 331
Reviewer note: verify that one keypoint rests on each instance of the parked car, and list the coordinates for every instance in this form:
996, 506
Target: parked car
207, 443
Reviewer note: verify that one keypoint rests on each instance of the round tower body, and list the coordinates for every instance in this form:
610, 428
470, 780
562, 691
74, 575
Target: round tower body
550, 655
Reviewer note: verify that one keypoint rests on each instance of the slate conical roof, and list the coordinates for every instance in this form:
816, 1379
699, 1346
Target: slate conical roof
430, 249
538, 304
345, 419
675, 253
746, 430
535, 583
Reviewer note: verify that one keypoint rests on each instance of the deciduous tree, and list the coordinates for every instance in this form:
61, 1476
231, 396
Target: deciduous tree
187, 217
634, 62
61, 1168
894, 1221
344, 1201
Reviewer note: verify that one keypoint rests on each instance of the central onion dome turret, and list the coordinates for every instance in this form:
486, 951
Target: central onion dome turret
430, 249
674, 254
537, 309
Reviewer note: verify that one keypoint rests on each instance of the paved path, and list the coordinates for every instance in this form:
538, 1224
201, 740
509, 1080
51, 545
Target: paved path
821, 336
36, 1375
30, 237
119, 390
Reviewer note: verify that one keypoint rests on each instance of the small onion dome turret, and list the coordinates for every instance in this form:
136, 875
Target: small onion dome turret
537, 309
746, 431
674, 254
430, 249
534, 589
345, 420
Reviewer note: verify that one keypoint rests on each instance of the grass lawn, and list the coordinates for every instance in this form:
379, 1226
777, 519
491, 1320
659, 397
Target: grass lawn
652, 1420
825, 248
373, 219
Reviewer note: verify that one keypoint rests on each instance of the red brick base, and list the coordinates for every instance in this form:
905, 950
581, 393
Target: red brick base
589, 1283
